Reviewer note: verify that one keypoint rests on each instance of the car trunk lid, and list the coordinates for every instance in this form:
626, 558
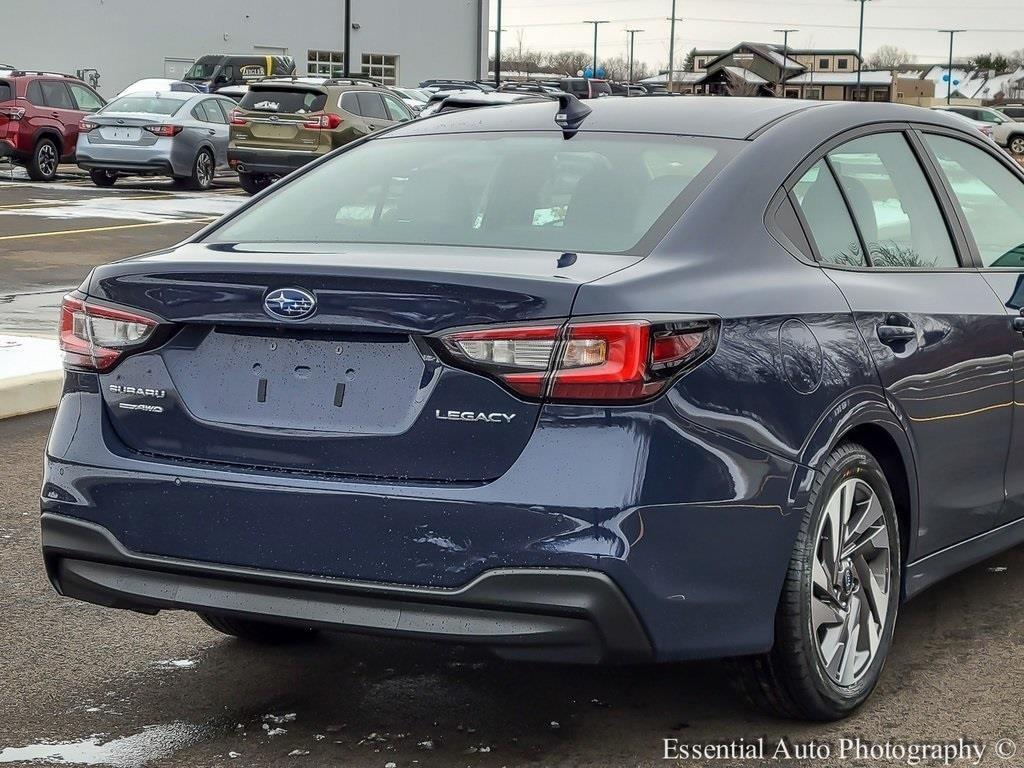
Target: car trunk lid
355, 389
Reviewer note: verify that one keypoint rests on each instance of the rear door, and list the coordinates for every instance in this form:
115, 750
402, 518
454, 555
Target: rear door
371, 107
936, 332
63, 110
216, 127
989, 197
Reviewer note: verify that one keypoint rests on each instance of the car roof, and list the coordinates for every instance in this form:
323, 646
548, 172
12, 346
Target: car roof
169, 95
717, 117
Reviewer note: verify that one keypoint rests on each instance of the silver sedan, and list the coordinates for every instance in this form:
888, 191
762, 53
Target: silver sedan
176, 134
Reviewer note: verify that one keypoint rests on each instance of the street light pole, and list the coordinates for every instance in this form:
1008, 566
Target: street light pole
785, 57
497, 50
860, 44
672, 48
949, 89
632, 34
346, 69
595, 23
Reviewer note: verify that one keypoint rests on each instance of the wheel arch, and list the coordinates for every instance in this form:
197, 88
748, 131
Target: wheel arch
49, 132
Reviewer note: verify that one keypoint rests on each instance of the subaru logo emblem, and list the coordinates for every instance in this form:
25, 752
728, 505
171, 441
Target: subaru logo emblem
289, 304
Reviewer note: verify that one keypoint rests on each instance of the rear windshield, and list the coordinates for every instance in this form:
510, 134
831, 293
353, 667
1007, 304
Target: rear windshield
288, 102
600, 193
150, 105
6, 93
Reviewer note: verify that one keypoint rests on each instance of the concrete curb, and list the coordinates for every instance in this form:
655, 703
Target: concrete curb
31, 375
28, 394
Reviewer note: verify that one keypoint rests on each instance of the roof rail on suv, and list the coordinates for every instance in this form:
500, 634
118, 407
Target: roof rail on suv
354, 81
38, 73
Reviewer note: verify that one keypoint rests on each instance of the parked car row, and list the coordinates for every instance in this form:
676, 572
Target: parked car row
1004, 128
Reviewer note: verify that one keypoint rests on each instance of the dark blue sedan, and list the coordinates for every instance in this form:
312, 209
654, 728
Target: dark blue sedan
668, 379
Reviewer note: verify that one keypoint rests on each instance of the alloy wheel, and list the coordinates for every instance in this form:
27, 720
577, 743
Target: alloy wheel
851, 582
1017, 145
204, 169
47, 159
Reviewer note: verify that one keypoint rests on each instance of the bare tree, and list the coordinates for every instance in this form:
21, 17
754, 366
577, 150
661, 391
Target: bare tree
568, 62
889, 57
616, 68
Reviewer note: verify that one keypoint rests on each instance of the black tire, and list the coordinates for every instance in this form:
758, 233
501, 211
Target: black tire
791, 680
1016, 145
103, 178
42, 166
260, 632
204, 168
254, 183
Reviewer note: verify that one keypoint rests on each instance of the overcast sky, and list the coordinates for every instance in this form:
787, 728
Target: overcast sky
547, 25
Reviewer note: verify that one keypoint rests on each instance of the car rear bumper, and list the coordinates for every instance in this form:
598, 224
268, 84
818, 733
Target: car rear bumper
8, 152
693, 528
570, 615
157, 158
270, 162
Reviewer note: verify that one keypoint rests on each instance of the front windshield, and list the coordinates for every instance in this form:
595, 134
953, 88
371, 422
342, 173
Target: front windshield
150, 105
203, 69
599, 193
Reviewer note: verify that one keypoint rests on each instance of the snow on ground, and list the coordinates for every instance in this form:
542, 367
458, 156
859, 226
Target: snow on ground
132, 205
26, 355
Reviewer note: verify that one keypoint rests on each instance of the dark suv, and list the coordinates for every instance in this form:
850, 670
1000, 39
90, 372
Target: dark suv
586, 87
39, 117
281, 125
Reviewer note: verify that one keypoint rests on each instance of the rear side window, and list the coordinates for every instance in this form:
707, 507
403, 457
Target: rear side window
34, 94
991, 197
896, 212
601, 193
282, 101
56, 95
212, 112
828, 218
6, 92
370, 105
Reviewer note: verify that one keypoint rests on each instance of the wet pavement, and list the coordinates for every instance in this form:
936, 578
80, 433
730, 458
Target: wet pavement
51, 235
92, 686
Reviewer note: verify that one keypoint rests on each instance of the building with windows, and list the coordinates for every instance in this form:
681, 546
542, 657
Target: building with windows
768, 69
121, 41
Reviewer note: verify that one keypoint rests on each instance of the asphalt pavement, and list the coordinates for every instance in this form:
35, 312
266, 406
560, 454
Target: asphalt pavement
111, 687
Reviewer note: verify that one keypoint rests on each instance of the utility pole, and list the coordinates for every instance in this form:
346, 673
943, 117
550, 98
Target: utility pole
672, 48
632, 34
785, 57
497, 50
860, 44
595, 23
951, 33
346, 70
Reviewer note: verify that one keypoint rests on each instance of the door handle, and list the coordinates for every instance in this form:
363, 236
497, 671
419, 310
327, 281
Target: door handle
896, 334
211, 131
1018, 324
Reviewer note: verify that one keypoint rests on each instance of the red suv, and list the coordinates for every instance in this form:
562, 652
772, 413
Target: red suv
39, 116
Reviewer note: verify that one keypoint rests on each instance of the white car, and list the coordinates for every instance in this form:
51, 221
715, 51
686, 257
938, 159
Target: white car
414, 98
158, 85
1006, 132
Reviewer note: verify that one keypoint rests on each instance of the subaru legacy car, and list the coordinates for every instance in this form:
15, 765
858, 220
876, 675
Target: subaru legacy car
648, 381
179, 134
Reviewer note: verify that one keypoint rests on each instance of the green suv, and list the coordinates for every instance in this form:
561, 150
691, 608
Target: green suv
282, 124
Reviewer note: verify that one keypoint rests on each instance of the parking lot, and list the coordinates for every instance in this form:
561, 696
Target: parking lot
88, 685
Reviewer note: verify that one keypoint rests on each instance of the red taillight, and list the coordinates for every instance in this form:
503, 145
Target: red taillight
235, 118
85, 126
14, 114
329, 122
163, 130
95, 337
585, 361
